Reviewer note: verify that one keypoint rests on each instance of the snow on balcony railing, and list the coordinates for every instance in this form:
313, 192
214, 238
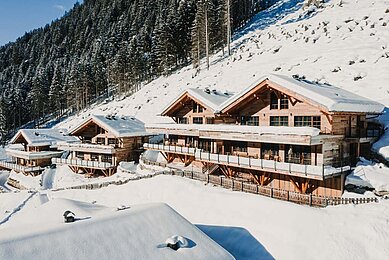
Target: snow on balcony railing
85, 146
33, 155
20, 168
83, 163
301, 169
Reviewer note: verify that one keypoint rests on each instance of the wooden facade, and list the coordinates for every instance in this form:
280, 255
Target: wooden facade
101, 150
342, 137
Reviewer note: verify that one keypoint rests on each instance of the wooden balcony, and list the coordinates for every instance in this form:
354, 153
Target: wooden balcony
33, 155
20, 168
87, 147
292, 169
84, 163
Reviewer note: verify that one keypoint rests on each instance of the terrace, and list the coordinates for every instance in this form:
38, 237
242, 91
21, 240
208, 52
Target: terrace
288, 168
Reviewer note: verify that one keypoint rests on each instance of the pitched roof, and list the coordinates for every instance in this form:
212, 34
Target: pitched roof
209, 98
140, 232
334, 99
124, 126
43, 137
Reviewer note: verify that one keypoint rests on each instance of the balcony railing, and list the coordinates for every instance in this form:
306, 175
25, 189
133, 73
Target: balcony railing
83, 163
109, 149
316, 172
20, 168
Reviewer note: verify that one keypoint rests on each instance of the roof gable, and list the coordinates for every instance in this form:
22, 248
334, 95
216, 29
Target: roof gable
124, 126
326, 97
210, 99
42, 136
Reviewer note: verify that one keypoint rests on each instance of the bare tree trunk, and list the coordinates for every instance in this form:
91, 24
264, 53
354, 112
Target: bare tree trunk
206, 33
229, 27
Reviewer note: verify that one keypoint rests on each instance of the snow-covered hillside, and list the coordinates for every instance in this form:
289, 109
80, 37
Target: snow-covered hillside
344, 44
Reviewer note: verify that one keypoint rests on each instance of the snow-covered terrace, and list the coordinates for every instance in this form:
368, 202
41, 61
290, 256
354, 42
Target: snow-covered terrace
308, 171
84, 147
273, 134
32, 155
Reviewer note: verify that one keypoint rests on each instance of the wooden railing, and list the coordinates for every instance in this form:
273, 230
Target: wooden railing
239, 185
308, 171
83, 163
20, 168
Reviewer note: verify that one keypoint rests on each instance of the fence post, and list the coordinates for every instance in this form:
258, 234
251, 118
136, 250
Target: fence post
209, 156
242, 185
221, 181
287, 196
271, 192
310, 199
238, 160
233, 182
207, 178
261, 163
250, 162
218, 157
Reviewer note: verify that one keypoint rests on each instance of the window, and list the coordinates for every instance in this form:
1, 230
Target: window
249, 120
316, 121
194, 107
106, 158
182, 120
210, 121
100, 140
273, 101
279, 121
197, 108
94, 157
312, 121
284, 102
239, 147
112, 141
198, 120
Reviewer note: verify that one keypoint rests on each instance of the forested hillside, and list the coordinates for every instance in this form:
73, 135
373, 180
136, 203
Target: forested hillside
109, 47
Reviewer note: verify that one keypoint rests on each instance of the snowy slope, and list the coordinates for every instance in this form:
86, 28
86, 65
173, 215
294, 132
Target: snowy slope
346, 46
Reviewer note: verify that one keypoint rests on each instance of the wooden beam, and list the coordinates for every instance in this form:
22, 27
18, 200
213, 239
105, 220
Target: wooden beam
295, 184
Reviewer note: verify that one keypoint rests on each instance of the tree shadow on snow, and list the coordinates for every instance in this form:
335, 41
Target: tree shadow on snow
238, 241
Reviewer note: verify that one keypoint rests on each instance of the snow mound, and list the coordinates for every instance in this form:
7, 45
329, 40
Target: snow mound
370, 175
135, 233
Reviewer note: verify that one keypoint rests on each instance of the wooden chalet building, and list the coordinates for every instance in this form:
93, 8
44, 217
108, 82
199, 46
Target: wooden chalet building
282, 132
31, 150
105, 141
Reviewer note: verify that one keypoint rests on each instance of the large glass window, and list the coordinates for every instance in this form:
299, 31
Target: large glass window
279, 121
210, 121
198, 120
197, 108
284, 102
273, 101
312, 121
250, 120
182, 120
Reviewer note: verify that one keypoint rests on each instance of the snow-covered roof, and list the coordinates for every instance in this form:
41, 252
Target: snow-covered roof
123, 126
139, 232
242, 129
211, 98
43, 137
334, 99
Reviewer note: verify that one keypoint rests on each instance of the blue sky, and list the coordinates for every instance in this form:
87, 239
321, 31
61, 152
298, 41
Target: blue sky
20, 16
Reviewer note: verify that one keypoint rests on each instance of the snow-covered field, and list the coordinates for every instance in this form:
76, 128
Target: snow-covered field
248, 226
346, 45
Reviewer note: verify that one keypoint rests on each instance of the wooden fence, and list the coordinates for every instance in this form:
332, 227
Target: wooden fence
245, 186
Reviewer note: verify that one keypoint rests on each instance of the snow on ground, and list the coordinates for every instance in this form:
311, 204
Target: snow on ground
246, 225
139, 232
371, 175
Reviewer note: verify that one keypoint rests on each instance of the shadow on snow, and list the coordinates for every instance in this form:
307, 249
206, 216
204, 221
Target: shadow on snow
238, 241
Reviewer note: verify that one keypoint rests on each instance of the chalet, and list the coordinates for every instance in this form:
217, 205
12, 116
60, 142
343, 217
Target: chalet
282, 132
32, 149
104, 142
